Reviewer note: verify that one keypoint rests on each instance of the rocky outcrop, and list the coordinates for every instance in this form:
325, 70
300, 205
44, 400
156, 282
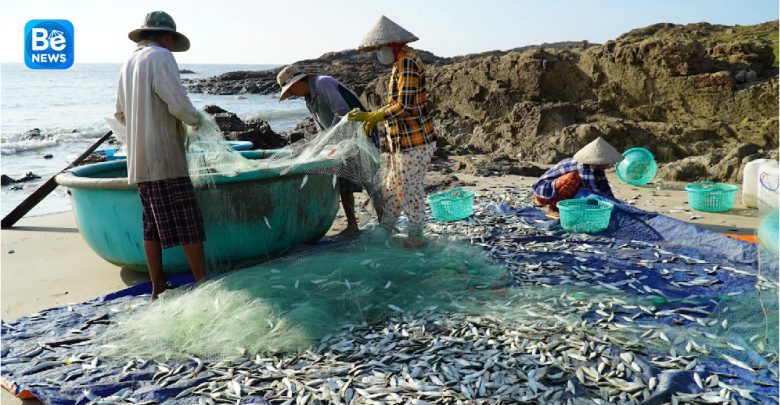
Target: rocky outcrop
304, 129
725, 165
7, 180
353, 68
691, 94
680, 91
254, 130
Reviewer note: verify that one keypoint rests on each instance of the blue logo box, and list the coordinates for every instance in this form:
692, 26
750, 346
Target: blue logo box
48, 44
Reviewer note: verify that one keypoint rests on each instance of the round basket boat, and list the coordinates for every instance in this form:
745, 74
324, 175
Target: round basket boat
248, 218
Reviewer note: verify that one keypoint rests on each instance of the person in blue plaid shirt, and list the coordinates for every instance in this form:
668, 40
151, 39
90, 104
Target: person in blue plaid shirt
585, 170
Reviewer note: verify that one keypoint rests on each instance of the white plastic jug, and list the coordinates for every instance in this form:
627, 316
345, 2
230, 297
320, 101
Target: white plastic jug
750, 182
768, 184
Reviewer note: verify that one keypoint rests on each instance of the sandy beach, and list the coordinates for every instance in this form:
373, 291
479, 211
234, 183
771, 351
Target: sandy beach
46, 263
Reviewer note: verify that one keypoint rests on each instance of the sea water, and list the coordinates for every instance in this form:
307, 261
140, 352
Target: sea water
70, 106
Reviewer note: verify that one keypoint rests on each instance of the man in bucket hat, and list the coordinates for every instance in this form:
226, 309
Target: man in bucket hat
584, 170
411, 140
152, 103
328, 100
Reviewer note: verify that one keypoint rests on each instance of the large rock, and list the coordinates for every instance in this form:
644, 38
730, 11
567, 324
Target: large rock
678, 90
720, 166
254, 130
686, 75
304, 129
261, 135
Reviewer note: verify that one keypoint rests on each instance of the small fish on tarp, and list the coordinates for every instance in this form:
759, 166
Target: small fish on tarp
100, 319
66, 341
37, 368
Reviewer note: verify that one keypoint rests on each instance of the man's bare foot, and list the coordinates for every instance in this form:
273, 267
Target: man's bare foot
350, 231
158, 289
552, 213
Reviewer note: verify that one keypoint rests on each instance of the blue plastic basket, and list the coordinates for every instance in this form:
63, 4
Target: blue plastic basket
452, 205
711, 197
637, 167
586, 215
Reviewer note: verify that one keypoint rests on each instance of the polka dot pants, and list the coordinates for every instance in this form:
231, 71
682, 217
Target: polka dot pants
404, 187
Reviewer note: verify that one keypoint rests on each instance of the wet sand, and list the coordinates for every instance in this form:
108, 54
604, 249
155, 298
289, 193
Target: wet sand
46, 263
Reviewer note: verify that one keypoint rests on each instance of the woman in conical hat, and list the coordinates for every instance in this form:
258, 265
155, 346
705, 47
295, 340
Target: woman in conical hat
410, 139
585, 170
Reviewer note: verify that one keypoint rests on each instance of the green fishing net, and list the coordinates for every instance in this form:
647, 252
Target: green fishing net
289, 304
342, 151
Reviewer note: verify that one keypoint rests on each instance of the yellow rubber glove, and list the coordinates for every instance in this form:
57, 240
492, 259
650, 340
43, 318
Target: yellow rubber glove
369, 118
357, 115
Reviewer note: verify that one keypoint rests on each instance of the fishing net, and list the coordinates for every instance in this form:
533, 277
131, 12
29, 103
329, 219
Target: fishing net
291, 303
294, 303
342, 150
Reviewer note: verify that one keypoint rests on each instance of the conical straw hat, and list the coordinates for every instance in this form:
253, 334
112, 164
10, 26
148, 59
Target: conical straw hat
385, 32
598, 152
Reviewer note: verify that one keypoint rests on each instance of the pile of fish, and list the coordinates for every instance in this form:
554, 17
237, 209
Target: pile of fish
582, 319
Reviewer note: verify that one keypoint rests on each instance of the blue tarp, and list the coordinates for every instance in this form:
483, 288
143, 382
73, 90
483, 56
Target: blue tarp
634, 236
630, 223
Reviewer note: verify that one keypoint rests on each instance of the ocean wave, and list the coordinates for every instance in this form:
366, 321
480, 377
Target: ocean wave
10, 148
63, 134
281, 115
82, 135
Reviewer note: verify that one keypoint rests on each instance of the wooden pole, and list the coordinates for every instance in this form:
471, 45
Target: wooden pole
44, 189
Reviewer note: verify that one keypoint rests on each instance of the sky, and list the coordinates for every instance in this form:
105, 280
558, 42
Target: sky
279, 32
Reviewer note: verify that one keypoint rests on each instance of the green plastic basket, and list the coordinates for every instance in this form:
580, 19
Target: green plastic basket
711, 197
585, 215
637, 167
452, 205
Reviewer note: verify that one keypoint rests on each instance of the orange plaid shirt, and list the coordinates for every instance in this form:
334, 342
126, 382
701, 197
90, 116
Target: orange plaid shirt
408, 122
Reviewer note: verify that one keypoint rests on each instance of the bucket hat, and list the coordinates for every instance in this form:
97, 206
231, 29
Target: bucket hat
161, 21
385, 32
286, 78
598, 152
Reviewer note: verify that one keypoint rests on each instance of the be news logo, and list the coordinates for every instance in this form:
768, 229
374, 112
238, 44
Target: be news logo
48, 44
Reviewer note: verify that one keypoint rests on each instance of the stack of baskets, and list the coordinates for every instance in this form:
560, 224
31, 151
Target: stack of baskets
452, 205
585, 215
711, 197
